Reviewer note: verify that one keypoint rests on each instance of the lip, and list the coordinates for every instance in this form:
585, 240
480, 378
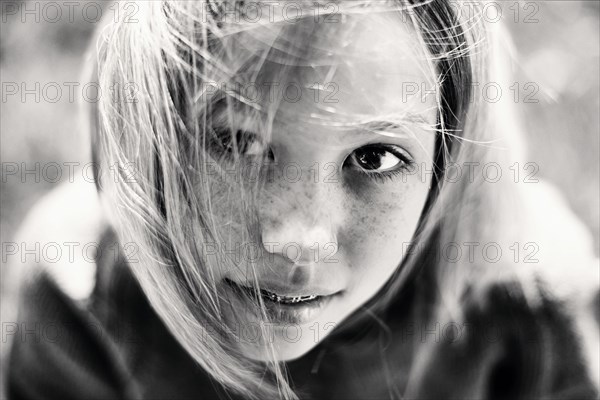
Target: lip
288, 291
301, 312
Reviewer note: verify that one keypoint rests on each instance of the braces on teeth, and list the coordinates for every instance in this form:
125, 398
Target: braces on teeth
285, 299
281, 299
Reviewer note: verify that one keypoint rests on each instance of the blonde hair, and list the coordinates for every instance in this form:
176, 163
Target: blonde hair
169, 52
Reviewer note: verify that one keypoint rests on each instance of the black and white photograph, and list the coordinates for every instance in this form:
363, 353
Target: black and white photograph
300, 199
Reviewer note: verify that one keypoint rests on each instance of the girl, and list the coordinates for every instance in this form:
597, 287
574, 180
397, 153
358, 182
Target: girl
312, 200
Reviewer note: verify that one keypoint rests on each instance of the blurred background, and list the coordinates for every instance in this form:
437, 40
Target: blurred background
557, 48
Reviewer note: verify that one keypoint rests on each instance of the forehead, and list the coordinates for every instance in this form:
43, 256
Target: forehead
369, 66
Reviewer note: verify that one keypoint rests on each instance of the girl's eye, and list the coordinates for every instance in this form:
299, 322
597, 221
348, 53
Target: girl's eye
379, 158
376, 159
380, 161
245, 144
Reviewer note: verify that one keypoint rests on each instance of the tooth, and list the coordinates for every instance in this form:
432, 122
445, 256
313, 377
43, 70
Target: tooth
288, 299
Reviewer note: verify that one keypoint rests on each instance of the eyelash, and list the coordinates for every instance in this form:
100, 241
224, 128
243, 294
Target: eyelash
222, 141
385, 176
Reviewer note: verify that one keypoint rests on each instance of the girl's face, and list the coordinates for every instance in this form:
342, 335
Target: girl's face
350, 161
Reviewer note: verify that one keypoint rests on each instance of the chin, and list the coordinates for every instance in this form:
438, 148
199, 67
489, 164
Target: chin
292, 341
287, 350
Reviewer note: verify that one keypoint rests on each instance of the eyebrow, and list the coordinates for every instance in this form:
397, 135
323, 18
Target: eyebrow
381, 125
392, 128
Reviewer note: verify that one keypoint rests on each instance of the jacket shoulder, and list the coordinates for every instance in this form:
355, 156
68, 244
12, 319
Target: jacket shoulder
61, 235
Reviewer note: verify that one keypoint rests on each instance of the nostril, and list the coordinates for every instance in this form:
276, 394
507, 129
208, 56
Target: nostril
299, 276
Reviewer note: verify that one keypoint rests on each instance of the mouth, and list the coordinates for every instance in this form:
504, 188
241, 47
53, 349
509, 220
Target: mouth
275, 297
286, 299
285, 308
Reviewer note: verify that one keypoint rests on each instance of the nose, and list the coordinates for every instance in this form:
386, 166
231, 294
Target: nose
299, 220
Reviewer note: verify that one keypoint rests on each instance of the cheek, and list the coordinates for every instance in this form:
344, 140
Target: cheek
226, 220
379, 229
